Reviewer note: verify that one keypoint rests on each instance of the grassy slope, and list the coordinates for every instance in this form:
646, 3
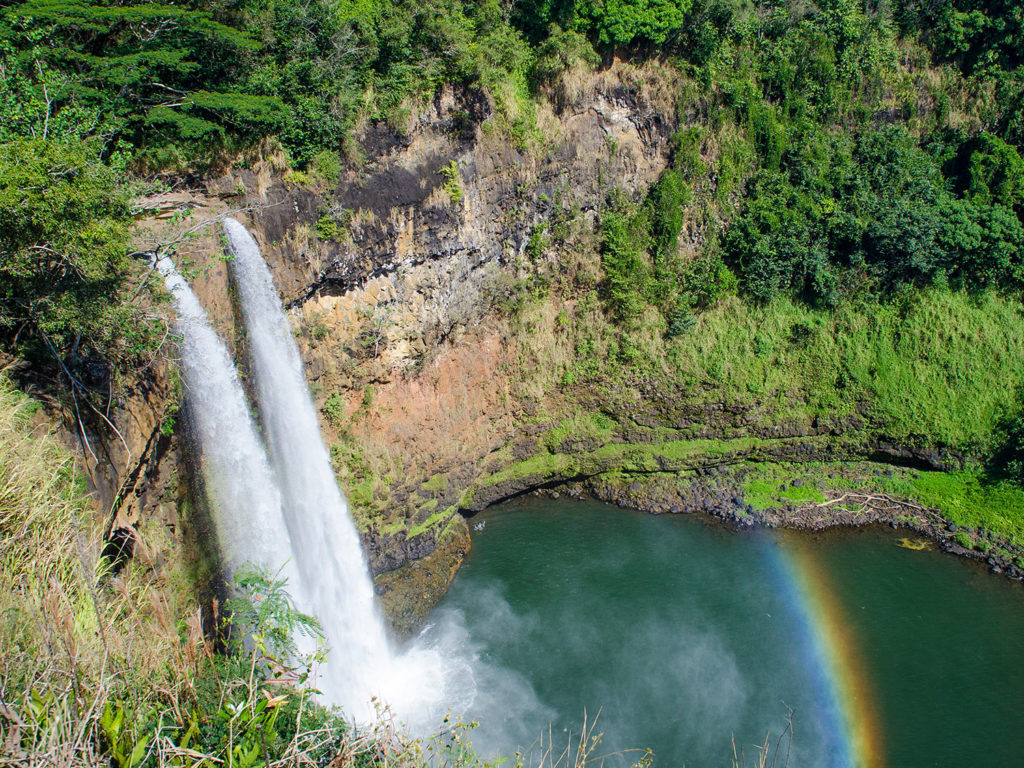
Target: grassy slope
934, 368
939, 367
967, 498
57, 626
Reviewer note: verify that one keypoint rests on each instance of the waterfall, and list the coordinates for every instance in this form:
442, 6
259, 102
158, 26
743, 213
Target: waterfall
287, 512
328, 551
245, 502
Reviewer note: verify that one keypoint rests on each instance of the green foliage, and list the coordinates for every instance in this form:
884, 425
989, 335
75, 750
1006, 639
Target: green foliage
34, 100
451, 185
369, 394
704, 281
641, 260
63, 253
877, 214
607, 22
559, 52
126, 750
184, 83
832, 202
989, 171
735, 160
327, 228
686, 156
261, 611
621, 22
150, 73
979, 35
680, 322
666, 200
332, 58
708, 25
327, 165
536, 244
627, 273
1008, 458
334, 408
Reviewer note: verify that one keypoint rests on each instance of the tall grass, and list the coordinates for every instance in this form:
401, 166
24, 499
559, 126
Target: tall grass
73, 638
934, 367
938, 365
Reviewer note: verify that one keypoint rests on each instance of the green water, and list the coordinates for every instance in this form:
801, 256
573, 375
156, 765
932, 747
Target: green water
685, 636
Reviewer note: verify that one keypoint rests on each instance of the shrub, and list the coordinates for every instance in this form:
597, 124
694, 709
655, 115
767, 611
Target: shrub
327, 228
451, 185
64, 261
327, 165
560, 52
1008, 458
627, 273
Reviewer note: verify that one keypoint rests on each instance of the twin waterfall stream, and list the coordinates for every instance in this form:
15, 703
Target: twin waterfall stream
275, 501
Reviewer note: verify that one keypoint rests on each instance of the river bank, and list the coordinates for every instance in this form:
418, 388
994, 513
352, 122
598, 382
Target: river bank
954, 512
828, 495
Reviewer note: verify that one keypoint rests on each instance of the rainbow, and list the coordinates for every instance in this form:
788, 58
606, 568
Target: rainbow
833, 642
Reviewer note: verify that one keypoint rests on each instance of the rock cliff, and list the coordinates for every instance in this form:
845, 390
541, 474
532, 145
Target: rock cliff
404, 278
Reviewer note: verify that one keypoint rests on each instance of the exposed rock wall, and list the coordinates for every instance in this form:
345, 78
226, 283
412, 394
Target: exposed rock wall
434, 243
395, 277
429, 229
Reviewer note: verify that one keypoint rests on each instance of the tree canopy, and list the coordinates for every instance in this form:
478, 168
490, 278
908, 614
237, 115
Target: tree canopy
63, 253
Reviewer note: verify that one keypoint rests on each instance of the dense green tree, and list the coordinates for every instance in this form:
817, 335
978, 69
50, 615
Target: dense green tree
625, 236
877, 214
180, 81
63, 253
977, 34
995, 171
778, 242
154, 72
605, 22
332, 62
987, 244
621, 22
666, 200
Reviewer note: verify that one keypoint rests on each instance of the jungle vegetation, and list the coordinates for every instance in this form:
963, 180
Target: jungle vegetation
839, 170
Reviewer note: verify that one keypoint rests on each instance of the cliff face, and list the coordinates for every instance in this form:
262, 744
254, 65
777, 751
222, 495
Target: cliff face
432, 215
400, 313
395, 276
405, 279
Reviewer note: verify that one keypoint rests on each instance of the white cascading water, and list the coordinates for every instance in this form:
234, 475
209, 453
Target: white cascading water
245, 502
335, 579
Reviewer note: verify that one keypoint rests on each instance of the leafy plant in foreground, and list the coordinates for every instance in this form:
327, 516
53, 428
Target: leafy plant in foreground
263, 614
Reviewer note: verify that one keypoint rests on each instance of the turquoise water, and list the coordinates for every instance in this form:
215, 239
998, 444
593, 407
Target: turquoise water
683, 637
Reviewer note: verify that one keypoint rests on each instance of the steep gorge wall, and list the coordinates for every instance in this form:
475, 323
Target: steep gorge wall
395, 313
435, 396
